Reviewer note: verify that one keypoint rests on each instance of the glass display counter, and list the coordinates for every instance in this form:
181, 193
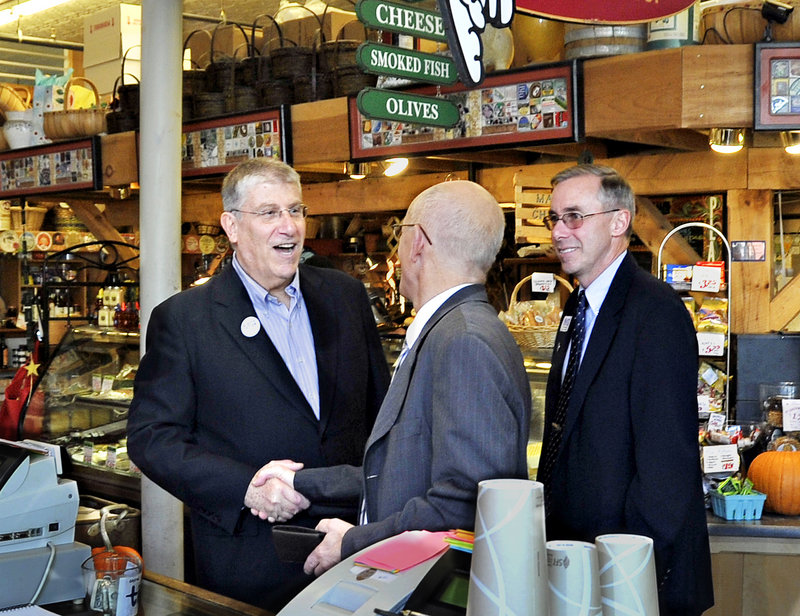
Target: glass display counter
81, 403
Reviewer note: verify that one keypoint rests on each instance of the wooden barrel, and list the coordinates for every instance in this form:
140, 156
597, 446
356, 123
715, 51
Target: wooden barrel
588, 41
674, 31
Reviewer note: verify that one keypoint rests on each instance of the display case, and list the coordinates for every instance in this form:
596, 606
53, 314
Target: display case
81, 400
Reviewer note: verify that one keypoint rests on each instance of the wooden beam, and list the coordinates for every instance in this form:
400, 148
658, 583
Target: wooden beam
785, 306
320, 131
678, 139
651, 226
371, 194
750, 219
99, 226
773, 169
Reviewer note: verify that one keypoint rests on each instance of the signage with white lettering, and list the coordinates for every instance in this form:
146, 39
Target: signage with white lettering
388, 60
401, 18
407, 107
632, 11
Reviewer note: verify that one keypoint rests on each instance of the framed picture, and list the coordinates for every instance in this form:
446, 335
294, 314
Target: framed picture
55, 167
505, 110
217, 145
777, 86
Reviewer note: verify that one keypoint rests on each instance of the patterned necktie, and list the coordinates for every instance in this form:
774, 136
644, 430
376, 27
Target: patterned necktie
551, 452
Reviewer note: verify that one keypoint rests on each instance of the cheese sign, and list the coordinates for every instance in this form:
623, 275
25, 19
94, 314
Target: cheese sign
407, 107
791, 414
401, 18
387, 60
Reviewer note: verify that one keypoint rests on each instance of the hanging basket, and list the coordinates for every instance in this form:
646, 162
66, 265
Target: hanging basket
75, 123
532, 336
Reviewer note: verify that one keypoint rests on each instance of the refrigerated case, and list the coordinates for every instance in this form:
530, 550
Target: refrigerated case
81, 403
537, 365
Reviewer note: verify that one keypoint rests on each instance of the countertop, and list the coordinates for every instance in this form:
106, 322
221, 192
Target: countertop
771, 525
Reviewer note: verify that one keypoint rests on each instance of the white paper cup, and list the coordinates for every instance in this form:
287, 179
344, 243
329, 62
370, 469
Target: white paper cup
572, 573
508, 574
627, 575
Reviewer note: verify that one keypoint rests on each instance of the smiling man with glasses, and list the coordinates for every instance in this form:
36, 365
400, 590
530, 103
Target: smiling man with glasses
620, 450
269, 359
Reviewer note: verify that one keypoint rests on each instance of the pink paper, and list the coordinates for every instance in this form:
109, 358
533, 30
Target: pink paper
404, 551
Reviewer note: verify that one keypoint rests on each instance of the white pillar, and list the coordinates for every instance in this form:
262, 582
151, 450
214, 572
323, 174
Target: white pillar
160, 230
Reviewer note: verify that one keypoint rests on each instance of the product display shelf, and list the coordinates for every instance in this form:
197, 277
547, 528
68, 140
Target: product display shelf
725, 289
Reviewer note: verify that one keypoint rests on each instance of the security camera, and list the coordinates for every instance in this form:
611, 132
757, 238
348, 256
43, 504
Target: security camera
776, 11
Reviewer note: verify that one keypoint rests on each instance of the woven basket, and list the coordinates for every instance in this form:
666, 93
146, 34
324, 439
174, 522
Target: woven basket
534, 337
74, 123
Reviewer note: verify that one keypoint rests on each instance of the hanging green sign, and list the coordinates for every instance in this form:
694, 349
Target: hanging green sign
401, 18
388, 60
407, 107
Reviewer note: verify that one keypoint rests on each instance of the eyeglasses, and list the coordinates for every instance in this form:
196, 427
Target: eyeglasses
573, 220
397, 230
273, 214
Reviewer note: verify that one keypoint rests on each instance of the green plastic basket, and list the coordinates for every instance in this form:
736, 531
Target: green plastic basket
738, 506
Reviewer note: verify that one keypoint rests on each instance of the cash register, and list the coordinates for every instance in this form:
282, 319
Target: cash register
435, 587
40, 561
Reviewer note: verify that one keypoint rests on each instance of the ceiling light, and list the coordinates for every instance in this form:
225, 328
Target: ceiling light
29, 7
395, 166
791, 141
357, 171
726, 140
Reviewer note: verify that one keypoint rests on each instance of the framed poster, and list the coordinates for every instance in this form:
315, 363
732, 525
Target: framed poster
55, 167
214, 147
777, 86
508, 109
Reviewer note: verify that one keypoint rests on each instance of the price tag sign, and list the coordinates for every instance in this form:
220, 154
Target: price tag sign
543, 283
710, 343
716, 421
705, 278
720, 459
703, 404
791, 414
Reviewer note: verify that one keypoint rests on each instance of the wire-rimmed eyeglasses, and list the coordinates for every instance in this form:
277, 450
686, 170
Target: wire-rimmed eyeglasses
573, 220
273, 214
397, 230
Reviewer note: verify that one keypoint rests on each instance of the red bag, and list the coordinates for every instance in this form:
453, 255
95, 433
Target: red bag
17, 393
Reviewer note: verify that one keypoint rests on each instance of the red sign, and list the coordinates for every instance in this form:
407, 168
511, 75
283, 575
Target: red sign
629, 11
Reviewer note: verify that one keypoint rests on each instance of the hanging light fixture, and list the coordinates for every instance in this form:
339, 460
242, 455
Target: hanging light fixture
29, 7
791, 141
394, 166
726, 140
357, 171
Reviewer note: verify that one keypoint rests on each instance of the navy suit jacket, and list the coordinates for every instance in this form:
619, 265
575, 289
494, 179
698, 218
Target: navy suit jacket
457, 412
211, 406
629, 459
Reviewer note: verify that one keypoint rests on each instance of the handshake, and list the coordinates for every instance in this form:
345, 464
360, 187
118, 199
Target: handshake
271, 496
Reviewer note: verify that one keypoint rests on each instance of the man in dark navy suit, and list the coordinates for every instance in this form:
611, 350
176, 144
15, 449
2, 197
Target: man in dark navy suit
266, 361
620, 453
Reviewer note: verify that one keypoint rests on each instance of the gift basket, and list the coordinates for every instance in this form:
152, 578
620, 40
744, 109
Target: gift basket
534, 323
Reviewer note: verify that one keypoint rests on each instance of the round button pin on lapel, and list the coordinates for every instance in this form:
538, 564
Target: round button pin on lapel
250, 327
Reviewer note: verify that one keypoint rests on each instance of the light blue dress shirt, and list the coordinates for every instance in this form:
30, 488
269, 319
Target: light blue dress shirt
289, 329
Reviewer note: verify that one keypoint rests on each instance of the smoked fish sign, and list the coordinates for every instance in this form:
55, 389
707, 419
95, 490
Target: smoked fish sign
405, 63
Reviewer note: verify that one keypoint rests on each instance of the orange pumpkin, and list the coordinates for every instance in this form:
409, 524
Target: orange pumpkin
777, 474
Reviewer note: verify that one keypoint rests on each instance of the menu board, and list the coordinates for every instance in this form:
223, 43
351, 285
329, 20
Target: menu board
212, 147
68, 165
512, 108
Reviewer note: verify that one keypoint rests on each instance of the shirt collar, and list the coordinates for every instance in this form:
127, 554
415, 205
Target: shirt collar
427, 311
259, 293
596, 292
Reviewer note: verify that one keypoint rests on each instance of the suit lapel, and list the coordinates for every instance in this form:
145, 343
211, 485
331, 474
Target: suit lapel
325, 327
232, 306
399, 389
603, 333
